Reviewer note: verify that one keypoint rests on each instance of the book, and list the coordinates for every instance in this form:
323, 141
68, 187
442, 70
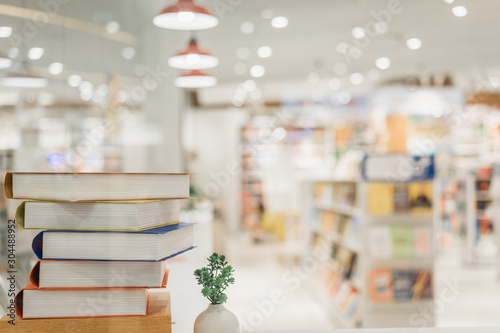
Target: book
403, 283
119, 215
380, 198
158, 320
379, 242
147, 245
32, 302
401, 203
380, 285
422, 285
98, 274
422, 238
402, 241
94, 186
420, 197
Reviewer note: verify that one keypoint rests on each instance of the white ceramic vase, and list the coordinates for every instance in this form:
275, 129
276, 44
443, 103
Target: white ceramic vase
216, 319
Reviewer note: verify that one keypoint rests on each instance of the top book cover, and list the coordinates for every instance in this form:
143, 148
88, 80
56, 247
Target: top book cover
93, 186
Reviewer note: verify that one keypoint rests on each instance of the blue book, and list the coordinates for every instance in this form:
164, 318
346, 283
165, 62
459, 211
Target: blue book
147, 245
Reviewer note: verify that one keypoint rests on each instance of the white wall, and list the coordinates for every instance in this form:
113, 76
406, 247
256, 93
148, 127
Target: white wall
215, 138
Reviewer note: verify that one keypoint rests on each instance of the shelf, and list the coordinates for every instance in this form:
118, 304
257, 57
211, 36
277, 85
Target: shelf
398, 305
348, 243
397, 263
338, 208
399, 218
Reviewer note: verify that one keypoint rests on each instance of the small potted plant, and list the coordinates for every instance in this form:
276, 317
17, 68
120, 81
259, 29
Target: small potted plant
215, 278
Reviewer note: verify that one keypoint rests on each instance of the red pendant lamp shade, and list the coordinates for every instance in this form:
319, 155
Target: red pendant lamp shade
193, 58
185, 15
195, 79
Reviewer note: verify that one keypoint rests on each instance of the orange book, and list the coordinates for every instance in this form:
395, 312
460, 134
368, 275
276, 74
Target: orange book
381, 285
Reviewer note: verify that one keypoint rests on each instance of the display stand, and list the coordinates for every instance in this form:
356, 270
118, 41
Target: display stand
379, 236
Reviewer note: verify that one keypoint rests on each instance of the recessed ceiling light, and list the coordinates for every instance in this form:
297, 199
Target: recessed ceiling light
257, 71
358, 32
383, 63
74, 80
128, 53
243, 53
494, 81
247, 28
5, 62
267, 13
334, 83
356, 78
341, 47
344, 97
86, 86
264, 51
414, 43
56, 68
449, 2
249, 85
5, 32
112, 27
36, 53
313, 78
279, 22
240, 68
459, 11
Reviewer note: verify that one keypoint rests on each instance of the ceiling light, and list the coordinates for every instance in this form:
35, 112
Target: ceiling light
36, 53
243, 53
373, 74
195, 79
249, 85
356, 78
185, 15
128, 53
5, 32
74, 80
193, 58
25, 78
358, 32
264, 51
341, 47
86, 87
383, 63
56, 68
112, 27
267, 13
5, 62
449, 2
240, 68
344, 97
459, 11
257, 71
279, 22
494, 81
247, 28
414, 43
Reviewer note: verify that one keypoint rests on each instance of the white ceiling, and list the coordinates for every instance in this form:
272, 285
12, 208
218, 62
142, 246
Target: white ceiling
450, 44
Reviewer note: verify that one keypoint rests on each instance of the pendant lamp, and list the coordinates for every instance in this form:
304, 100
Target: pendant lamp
5, 62
185, 15
193, 58
24, 78
195, 79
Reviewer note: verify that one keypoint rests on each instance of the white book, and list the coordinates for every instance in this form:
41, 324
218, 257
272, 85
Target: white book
98, 274
152, 244
93, 186
82, 303
118, 215
379, 242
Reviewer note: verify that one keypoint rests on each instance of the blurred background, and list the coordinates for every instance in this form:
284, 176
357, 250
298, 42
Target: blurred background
346, 153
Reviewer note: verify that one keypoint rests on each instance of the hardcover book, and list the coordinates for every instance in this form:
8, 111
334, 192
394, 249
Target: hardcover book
147, 245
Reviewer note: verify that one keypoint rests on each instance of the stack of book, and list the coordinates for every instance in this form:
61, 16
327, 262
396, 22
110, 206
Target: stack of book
104, 246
